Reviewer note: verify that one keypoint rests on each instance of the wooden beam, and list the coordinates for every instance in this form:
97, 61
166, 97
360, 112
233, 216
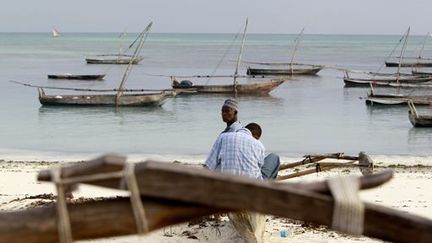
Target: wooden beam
212, 189
96, 219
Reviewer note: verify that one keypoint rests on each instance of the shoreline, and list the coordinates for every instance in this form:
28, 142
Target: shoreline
55, 157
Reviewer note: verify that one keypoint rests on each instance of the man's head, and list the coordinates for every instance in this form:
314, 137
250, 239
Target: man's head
229, 111
255, 130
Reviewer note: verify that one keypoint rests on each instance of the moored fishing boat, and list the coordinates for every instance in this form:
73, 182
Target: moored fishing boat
402, 81
416, 119
259, 87
289, 69
114, 59
285, 69
77, 76
397, 99
415, 62
120, 58
129, 99
108, 97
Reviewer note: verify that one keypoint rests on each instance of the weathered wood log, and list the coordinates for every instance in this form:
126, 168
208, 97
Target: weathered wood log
212, 189
318, 168
90, 220
309, 159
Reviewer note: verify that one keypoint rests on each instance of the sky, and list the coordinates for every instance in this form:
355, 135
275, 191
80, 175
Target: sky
218, 16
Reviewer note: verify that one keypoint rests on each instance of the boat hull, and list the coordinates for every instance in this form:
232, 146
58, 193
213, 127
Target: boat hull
140, 99
412, 82
118, 60
264, 87
77, 77
409, 64
284, 71
420, 121
398, 100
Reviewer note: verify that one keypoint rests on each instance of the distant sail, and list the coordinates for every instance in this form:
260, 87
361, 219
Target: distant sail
55, 33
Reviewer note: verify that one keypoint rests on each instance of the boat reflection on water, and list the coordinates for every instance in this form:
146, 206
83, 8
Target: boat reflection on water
102, 115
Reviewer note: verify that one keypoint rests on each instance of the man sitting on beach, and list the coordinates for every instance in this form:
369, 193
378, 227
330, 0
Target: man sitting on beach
241, 153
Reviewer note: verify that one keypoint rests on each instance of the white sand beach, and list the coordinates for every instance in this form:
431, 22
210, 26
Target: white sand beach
408, 191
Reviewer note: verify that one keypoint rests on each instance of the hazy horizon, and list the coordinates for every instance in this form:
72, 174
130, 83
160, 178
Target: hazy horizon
367, 17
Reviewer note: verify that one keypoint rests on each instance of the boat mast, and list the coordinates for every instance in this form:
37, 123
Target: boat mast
297, 42
239, 57
402, 54
424, 42
129, 67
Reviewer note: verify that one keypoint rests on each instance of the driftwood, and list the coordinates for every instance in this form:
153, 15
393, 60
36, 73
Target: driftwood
212, 189
365, 164
308, 159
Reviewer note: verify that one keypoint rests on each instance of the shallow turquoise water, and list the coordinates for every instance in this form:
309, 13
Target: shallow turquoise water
305, 115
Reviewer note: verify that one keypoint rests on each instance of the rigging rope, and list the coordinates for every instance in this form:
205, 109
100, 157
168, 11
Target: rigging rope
348, 212
225, 54
128, 176
391, 53
83, 89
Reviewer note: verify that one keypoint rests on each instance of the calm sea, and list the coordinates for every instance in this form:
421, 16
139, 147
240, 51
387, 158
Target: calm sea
304, 115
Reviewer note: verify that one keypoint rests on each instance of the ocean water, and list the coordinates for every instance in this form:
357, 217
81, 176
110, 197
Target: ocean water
304, 115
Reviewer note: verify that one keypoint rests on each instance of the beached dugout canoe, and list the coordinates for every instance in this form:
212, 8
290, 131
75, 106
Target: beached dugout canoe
218, 190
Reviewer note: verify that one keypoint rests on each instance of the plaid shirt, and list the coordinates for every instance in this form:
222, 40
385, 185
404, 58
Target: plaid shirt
233, 127
237, 153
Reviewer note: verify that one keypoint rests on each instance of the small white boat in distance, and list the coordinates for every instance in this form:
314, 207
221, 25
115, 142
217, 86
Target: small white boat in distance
55, 33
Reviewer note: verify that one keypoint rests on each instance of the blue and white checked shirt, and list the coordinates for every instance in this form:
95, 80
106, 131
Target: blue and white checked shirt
237, 153
234, 127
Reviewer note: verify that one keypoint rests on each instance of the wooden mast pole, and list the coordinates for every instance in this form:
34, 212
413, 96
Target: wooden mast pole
424, 42
239, 57
297, 41
401, 55
129, 67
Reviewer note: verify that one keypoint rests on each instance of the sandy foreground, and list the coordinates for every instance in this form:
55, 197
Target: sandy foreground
408, 191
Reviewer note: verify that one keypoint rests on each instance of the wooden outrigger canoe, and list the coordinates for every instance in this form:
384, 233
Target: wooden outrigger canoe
120, 98
129, 99
395, 99
403, 81
302, 69
418, 62
174, 193
422, 73
114, 59
77, 76
262, 87
286, 69
418, 120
